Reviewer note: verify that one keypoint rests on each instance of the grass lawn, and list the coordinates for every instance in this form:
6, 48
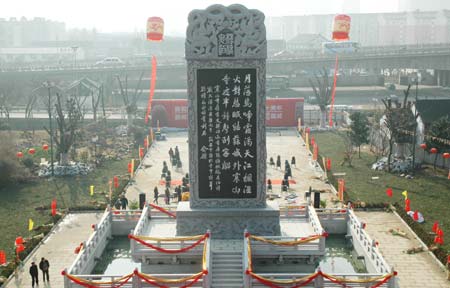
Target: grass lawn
18, 202
429, 193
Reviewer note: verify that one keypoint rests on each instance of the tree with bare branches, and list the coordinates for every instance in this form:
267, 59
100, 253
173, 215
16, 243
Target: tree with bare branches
322, 91
398, 120
68, 119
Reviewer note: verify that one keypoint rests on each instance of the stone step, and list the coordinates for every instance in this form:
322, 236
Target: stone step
227, 263
230, 268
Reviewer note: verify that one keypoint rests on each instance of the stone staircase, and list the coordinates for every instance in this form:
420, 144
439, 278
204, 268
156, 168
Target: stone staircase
227, 264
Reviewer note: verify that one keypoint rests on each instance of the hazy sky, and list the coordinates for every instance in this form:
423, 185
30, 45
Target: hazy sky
131, 15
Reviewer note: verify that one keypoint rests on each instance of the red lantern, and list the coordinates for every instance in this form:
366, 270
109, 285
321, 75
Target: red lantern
328, 164
435, 226
389, 192
53, 206
440, 233
129, 168
2, 257
433, 150
313, 141
31, 151
307, 130
19, 240
341, 27
407, 205
19, 154
155, 29
446, 155
45, 147
20, 248
423, 146
116, 181
416, 216
141, 152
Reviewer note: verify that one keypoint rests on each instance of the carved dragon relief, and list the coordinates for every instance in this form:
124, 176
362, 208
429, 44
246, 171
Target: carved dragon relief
246, 24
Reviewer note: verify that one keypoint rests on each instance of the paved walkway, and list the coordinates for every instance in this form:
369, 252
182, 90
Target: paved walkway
414, 270
285, 143
58, 249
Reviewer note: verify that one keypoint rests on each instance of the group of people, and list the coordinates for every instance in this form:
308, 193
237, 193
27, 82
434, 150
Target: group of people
44, 266
287, 172
167, 193
121, 202
174, 155
278, 163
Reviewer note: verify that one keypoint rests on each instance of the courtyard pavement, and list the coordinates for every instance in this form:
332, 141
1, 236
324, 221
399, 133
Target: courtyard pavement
285, 143
414, 270
58, 249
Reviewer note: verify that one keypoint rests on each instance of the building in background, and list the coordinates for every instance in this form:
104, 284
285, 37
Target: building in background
371, 29
25, 33
423, 5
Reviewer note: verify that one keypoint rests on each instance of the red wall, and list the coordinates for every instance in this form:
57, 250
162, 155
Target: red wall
279, 112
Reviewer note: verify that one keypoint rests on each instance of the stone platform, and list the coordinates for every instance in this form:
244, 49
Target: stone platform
228, 223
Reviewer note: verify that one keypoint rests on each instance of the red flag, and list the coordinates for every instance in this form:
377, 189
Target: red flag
435, 226
333, 92
389, 192
152, 89
116, 181
129, 168
407, 205
440, 233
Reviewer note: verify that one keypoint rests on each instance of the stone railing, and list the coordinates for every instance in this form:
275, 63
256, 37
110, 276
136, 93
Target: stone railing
366, 246
320, 281
94, 246
294, 211
135, 281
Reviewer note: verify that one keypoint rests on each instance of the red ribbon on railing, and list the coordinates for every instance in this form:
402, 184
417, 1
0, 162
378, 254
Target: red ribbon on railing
382, 282
162, 210
195, 280
87, 285
169, 251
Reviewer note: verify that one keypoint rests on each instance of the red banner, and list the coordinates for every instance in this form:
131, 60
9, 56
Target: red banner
333, 92
152, 89
279, 112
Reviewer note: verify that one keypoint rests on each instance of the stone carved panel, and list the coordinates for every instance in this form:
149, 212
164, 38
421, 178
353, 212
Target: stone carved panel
247, 25
260, 200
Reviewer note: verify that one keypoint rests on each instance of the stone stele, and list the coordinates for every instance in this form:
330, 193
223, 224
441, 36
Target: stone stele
226, 41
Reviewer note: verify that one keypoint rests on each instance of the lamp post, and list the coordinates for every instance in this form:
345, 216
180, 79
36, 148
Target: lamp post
49, 86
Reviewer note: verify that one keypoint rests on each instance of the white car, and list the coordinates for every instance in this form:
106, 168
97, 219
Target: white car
110, 61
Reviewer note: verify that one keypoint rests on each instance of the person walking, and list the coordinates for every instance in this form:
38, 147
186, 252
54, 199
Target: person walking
278, 162
177, 153
168, 179
293, 162
271, 162
167, 196
124, 202
44, 266
269, 185
34, 274
155, 195
179, 193
171, 154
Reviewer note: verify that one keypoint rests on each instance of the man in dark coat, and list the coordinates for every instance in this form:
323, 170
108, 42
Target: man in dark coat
178, 190
34, 274
167, 196
44, 266
278, 162
124, 202
155, 195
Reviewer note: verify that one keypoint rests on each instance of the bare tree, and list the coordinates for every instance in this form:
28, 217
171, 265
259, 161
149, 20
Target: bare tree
130, 103
399, 121
322, 91
68, 120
